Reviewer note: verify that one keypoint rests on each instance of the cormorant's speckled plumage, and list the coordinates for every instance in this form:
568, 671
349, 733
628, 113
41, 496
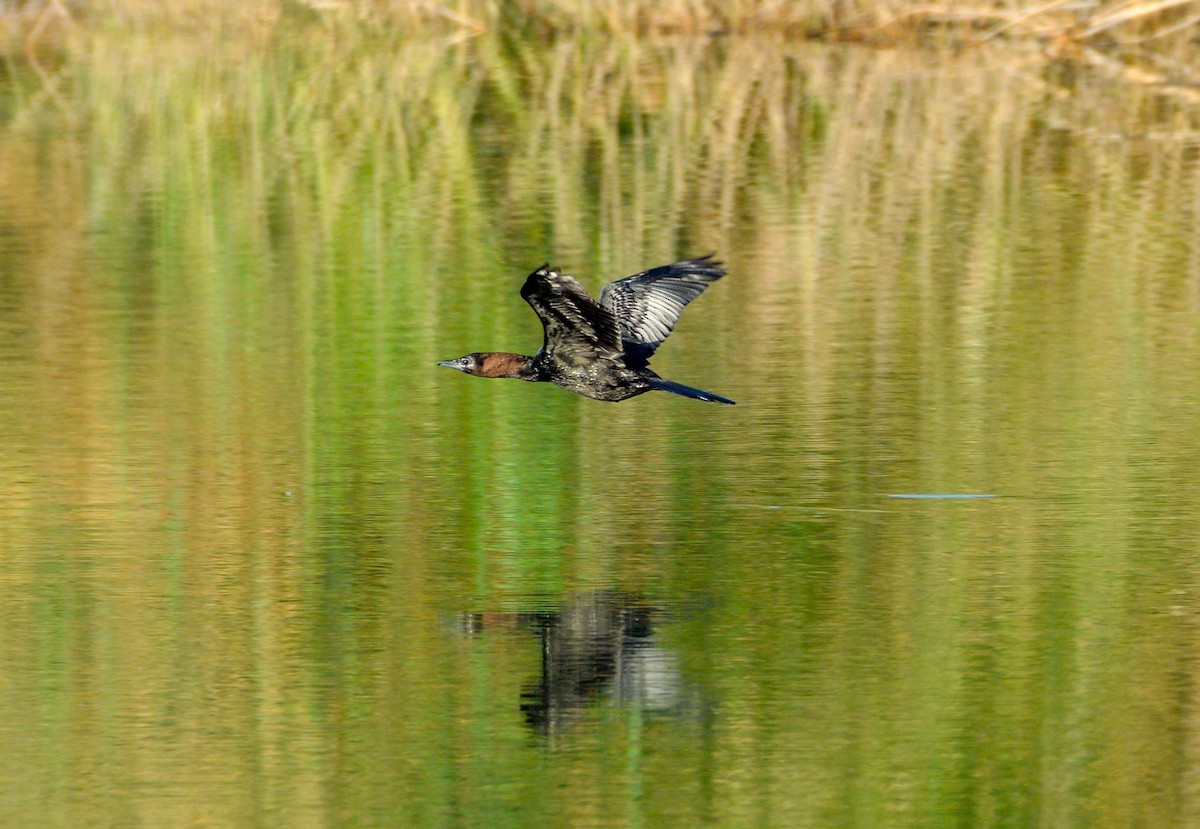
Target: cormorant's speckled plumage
600, 349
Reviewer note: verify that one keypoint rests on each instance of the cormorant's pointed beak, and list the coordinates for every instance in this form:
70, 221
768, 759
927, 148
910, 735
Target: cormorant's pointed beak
460, 364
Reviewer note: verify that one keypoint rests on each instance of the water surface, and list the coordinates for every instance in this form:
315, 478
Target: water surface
264, 564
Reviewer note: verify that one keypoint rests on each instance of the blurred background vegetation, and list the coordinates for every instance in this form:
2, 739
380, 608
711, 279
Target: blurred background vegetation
1138, 23
1125, 21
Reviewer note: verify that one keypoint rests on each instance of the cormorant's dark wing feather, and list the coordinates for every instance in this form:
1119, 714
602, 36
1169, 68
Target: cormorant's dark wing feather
569, 316
648, 304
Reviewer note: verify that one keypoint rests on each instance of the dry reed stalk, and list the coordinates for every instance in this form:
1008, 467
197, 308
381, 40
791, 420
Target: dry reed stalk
1191, 22
1127, 13
1022, 16
882, 21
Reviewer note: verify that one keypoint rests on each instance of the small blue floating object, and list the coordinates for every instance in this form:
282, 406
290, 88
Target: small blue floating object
943, 496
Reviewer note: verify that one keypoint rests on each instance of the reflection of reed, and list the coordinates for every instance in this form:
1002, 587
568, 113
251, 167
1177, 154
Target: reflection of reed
229, 282
857, 193
339, 208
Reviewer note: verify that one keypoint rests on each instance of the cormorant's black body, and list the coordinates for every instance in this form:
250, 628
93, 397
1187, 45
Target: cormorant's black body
602, 349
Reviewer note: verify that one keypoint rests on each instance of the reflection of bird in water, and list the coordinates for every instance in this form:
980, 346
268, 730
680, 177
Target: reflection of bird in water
601, 644
602, 349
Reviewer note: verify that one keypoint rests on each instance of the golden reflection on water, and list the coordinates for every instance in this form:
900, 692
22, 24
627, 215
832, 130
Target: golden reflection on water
245, 516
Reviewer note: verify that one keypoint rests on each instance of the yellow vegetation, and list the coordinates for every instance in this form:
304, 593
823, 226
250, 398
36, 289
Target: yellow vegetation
1081, 21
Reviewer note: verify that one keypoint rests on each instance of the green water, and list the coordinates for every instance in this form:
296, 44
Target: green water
262, 563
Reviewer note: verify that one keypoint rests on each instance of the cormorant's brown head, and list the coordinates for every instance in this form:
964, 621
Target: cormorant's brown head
491, 364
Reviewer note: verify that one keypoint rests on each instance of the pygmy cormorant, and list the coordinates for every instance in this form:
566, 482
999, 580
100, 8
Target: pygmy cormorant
601, 349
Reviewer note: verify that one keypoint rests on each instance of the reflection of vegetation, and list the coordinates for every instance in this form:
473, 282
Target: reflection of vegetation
240, 502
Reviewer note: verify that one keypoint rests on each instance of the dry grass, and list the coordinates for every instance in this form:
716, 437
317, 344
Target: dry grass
1130, 22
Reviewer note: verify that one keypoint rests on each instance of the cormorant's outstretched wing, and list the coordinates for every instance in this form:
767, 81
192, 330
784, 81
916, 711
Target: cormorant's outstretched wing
571, 319
648, 304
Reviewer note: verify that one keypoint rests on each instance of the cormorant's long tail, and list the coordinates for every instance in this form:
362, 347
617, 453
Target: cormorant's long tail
687, 391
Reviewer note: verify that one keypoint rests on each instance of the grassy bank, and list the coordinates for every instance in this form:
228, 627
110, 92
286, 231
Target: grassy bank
1140, 23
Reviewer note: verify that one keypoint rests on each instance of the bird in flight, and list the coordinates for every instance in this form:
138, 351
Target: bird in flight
602, 349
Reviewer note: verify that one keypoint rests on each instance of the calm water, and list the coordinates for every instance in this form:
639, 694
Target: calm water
263, 564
